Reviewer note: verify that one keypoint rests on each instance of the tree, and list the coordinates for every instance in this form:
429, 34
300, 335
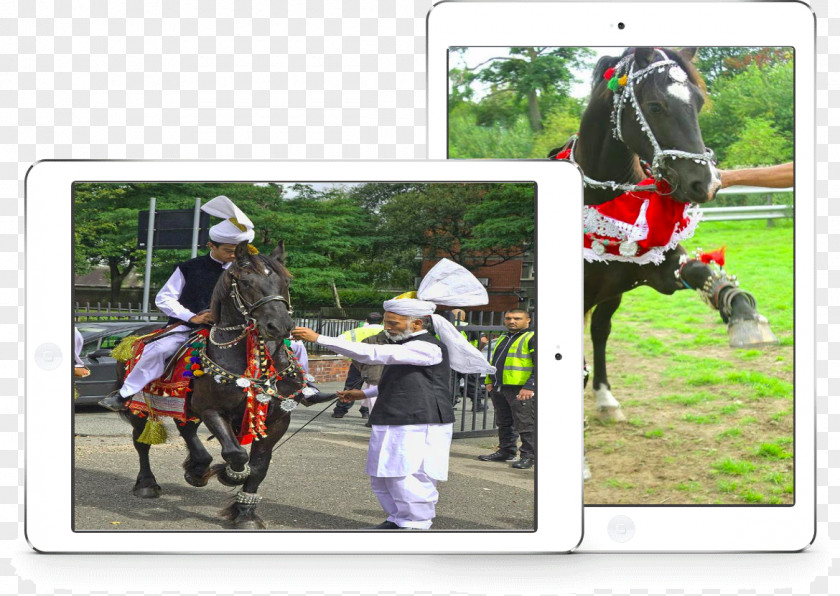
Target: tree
540, 75
472, 224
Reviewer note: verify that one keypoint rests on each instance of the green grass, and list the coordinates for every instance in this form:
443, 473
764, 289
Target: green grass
729, 433
721, 416
615, 483
733, 467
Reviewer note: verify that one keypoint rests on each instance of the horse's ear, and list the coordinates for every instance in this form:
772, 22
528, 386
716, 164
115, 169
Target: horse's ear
688, 53
243, 257
279, 253
642, 57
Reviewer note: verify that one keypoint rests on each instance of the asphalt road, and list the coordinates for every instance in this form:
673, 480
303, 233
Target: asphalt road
316, 481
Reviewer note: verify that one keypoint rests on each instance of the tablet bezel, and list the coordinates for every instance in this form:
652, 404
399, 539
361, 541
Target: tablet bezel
594, 24
49, 507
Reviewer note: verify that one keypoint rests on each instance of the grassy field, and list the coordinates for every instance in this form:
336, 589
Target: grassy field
706, 423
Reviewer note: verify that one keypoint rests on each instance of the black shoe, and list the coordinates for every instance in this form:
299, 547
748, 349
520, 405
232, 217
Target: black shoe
498, 456
479, 407
386, 525
368, 424
364, 412
114, 401
338, 414
524, 463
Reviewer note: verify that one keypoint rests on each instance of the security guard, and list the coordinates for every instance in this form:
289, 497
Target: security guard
512, 390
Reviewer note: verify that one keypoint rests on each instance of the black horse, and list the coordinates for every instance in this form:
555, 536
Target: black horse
255, 290
648, 124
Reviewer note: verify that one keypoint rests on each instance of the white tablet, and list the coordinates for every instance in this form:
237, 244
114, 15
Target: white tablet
354, 233
700, 405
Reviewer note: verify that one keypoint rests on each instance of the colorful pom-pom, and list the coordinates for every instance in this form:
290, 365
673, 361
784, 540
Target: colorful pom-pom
198, 373
612, 84
715, 256
188, 373
622, 81
609, 74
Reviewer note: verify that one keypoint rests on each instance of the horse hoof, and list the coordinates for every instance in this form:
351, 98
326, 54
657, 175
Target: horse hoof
147, 492
751, 333
611, 414
197, 481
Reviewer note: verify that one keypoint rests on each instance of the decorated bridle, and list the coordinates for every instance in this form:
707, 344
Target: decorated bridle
621, 80
242, 305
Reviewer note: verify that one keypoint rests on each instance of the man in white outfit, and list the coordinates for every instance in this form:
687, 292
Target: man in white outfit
185, 298
411, 425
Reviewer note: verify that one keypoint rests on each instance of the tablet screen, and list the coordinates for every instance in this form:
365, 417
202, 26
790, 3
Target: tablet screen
347, 247
686, 154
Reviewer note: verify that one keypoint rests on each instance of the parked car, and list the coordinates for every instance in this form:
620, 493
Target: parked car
100, 339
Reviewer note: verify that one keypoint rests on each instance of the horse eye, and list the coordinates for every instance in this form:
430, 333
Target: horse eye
655, 108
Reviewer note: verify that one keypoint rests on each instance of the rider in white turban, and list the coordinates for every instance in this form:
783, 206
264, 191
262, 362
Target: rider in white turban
411, 424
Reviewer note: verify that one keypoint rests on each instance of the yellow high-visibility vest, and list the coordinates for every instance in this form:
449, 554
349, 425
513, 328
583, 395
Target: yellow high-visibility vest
360, 333
519, 362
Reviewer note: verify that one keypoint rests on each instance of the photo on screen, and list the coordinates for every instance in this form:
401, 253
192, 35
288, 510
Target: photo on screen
688, 246
292, 356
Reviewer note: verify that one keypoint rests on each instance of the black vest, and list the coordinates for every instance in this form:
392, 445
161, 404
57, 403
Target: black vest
410, 394
200, 277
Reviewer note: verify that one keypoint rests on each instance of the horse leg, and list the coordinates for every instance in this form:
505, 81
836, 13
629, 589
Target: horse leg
608, 407
146, 486
746, 327
236, 469
242, 512
197, 465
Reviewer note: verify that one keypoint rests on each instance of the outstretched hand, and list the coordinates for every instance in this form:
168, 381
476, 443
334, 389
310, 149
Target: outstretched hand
350, 395
304, 333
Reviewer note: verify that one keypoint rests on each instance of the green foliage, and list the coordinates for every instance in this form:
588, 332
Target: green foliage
757, 94
758, 144
355, 239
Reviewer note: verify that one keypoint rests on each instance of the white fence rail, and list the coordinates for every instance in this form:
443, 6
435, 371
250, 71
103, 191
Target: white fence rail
747, 212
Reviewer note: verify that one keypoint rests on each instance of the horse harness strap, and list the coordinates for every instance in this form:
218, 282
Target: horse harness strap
246, 309
628, 95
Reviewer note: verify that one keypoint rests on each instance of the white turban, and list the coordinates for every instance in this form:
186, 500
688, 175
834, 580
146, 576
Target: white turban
449, 284
235, 228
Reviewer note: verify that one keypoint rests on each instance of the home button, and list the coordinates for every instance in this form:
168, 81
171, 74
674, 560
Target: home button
621, 528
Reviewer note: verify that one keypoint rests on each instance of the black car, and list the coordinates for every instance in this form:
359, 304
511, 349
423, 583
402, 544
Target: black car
100, 339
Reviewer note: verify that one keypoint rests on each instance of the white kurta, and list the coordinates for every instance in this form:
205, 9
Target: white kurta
400, 450
153, 360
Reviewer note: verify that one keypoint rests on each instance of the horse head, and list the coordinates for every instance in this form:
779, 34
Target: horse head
655, 114
256, 288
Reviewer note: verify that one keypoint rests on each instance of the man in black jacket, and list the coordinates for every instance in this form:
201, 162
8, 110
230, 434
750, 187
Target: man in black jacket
411, 424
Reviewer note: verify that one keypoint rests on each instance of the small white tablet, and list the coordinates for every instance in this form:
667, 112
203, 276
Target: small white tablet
354, 233
702, 436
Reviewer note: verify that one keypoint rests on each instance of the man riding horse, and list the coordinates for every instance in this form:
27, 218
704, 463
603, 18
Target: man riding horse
185, 298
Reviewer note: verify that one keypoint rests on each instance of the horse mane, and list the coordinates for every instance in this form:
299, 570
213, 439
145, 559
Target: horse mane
222, 289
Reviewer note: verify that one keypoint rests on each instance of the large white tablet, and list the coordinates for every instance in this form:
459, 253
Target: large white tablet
79, 488
717, 449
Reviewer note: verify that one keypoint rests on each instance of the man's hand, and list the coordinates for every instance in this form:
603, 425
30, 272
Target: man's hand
203, 318
304, 333
350, 395
524, 394
489, 387
81, 371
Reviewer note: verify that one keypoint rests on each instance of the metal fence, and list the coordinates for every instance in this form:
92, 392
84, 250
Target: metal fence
736, 213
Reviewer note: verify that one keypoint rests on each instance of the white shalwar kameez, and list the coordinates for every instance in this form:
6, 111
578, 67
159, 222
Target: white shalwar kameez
153, 360
405, 462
